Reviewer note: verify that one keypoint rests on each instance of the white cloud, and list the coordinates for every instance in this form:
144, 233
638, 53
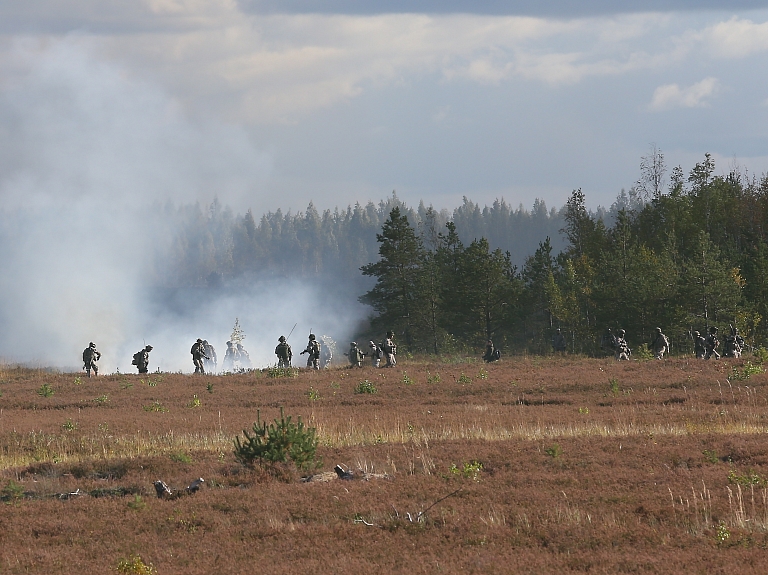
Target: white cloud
672, 96
736, 38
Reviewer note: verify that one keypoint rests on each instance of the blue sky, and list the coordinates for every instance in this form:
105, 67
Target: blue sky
273, 104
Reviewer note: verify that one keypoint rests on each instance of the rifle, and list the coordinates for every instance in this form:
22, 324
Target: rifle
289, 335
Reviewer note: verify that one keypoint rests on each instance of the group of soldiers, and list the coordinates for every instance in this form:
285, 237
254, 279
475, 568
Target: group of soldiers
386, 349
203, 353
704, 347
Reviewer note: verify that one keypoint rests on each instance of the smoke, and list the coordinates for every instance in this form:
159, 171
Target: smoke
87, 155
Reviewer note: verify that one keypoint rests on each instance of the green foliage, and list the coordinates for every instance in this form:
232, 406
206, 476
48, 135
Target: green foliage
45, 390
69, 425
209, 387
464, 379
468, 470
313, 394
711, 456
584, 410
746, 479
194, 402
181, 457
408, 380
722, 534
12, 492
78, 380
278, 442
137, 504
276, 372
748, 370
155, 407
554, 451
433, 378
614, 386
642, 352
366, 386
101, 400
482, 374
134, 565
238, 335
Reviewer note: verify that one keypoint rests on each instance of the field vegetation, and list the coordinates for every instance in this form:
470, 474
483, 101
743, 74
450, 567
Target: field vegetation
529, 465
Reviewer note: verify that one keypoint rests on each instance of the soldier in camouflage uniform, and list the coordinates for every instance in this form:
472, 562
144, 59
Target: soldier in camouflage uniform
660, 344
621, 349
711, 344
355, 355
313, 349
734, 344
376, 354
558, 342
243, 357
90, 357
283, 353
230, 357
141, 359
211, 360
390, 349
699, 345
198, 355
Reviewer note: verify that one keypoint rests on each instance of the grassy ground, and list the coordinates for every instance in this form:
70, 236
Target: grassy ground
545, 464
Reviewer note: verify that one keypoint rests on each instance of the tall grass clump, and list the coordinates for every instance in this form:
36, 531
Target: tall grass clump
279, 442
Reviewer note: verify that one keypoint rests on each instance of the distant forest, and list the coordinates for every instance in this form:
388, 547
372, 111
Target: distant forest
683, 254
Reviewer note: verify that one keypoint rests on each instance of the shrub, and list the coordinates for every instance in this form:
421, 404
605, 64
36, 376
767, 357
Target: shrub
181, 457
366, 386
313, 394
554, 451
156, 407
45, 390
747, 371
134, 565
642, 352
407, 380
469, 470
275, 371
194, 402
464, 379
278, 442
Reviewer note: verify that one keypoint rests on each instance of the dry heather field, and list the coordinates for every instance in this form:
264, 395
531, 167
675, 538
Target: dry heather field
530, 465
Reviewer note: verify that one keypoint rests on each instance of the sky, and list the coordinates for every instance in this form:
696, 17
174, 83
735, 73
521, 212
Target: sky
107, 107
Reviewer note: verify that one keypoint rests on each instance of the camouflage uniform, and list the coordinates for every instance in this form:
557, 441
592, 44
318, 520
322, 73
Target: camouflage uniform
491, 353
141, 359
734, 344
711, 344
211, 359
621, 349
198, 355
313, 349
243, 357
558, 342
699, 345
390, 349
230, 357
376, 354
326, 354
283, 353
660, 344
355, 355
90, 357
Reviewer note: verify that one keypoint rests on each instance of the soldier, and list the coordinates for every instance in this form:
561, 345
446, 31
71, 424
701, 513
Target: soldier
198, 355
491, 353
243, 357
660, 344
313, 349
734, 344
141, 359
621, 349
283, 352
699, 345
390, 349
376, 354
558, 342
355, 355
711, 344
230, 357
326, 353
211, 359
90, 357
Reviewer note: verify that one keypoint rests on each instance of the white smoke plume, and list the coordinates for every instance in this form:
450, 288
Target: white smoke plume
87, 155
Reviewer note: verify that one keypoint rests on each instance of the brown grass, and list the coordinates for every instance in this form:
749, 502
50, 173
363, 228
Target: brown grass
587, 465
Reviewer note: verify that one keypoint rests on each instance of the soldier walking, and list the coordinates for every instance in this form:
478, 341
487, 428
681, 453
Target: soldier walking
491, 353
313, 349
243, 357
230, 357
376, 354
283, 352
90, 357
558, 342
734, 344
660, 344
141, 359
699, 345
211, 360
620, 347
355, 355
711, 344
390, 349
198, 355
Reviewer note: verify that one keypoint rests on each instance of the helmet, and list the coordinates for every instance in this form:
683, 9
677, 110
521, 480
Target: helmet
148, 348
353, 344
199, 340
621, 332
281, 338
312, 336
371, 344
91, 344
390, 334
658, 330
696, 333
205, 341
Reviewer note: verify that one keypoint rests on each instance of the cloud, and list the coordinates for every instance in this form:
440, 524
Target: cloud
736, 38
672, 96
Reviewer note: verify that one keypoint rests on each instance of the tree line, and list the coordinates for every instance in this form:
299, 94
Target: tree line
683, 254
